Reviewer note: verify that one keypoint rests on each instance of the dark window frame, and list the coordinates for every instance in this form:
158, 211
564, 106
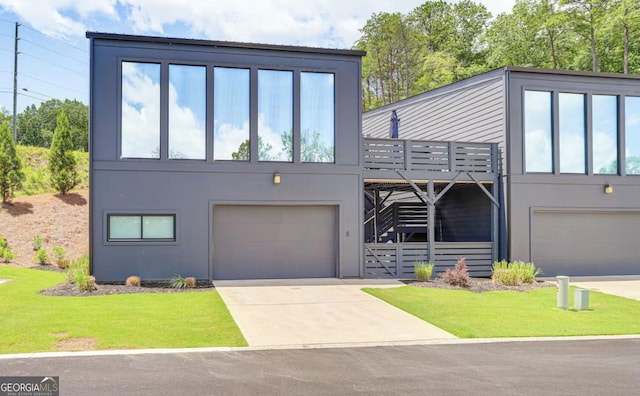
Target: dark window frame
142, 238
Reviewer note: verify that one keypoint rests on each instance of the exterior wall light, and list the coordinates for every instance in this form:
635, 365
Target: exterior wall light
276, 178
608, 189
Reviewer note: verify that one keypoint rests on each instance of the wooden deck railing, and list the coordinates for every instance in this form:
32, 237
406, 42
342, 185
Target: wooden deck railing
396, 260
410, 155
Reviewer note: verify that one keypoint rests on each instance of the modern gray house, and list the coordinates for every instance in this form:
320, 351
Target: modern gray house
224, 160
569, 172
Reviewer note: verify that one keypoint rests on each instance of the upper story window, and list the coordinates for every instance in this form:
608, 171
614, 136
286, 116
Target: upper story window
140, 110
605, 134
231, 112
187, 112
572, 133
275, 115
317, 119
632, 134
537, 131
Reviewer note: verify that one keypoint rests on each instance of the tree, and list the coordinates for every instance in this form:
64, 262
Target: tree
62, 163
11, 174
587, 17
35, 125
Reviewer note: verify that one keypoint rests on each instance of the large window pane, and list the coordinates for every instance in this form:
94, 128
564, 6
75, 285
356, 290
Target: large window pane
140, 110
124, 227
537, 131
605, 134
275, 115
572, 133
231, 90
317, 122
158, 227
187, 112
632, 134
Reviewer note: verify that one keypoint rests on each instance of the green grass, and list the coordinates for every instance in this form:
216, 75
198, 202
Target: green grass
35, 160
33, 323
514, 314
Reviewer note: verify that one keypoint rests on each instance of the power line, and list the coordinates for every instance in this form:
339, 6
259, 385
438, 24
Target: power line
56, 39
50, 83
38, 93
53, 64
54, 51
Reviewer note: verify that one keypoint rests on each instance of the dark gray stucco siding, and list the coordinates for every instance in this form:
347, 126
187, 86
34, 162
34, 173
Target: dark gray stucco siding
562, 193
191, 188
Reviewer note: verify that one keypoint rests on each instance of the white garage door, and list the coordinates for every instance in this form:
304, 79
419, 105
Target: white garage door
274, 242
586, 243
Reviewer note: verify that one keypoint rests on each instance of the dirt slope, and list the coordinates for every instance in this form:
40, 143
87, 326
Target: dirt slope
61, 220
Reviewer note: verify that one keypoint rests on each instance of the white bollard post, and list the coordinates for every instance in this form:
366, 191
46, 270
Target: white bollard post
562, 283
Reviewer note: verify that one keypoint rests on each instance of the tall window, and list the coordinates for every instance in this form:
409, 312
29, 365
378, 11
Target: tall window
140, 128
632, 134
537, 131
572, 133
231, 111
605, 134
187, 112
275, 115
317, 121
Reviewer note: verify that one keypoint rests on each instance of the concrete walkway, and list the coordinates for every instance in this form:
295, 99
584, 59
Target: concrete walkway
320, 311
623, 286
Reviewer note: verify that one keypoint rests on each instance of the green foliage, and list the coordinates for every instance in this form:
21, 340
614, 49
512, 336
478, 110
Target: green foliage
515, 273
459, 275
41, 257
6, 253
78, 274
180, 320
37, 180
513, 314
62, 162
36, 242
177, 282
35, 125
59, 253
423, 271
11, 174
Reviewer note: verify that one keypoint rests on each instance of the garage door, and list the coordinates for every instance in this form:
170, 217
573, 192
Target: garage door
272, 242
586, 243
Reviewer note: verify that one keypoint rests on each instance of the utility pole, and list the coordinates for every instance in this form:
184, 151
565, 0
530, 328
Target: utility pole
15, 82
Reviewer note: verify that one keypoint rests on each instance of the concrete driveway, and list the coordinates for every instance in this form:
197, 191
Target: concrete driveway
320, 311
623, 286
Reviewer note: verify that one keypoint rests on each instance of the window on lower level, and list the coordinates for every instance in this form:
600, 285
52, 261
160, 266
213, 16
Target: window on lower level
126, 227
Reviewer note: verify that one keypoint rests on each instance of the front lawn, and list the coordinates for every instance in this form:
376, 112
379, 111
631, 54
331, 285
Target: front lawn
33, 323
513, 314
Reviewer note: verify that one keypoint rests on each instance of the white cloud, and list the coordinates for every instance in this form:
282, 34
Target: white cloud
140, 114
327, 23
48, 16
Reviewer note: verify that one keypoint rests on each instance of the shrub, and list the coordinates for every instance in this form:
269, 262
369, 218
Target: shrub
59, 253
36, 242
78, 274
41, 257
133, 281
459, 276
190, 282
423, 271
177, 282
515, 273
7, 254
62, 162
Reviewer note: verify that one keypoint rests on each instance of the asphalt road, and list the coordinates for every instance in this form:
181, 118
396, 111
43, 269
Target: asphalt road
602, 367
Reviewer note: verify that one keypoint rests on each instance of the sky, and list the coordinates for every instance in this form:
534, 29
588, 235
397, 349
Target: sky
53, 60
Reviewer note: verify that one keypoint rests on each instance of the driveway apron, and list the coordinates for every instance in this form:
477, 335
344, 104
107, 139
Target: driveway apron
320, 311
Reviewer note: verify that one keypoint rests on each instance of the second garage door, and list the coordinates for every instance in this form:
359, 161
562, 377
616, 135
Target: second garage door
586, 243
274, 242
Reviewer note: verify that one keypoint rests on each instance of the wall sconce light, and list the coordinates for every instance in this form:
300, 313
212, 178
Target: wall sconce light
608, 189
276, 178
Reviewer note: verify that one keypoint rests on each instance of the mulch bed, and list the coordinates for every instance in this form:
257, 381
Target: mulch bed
479, 285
